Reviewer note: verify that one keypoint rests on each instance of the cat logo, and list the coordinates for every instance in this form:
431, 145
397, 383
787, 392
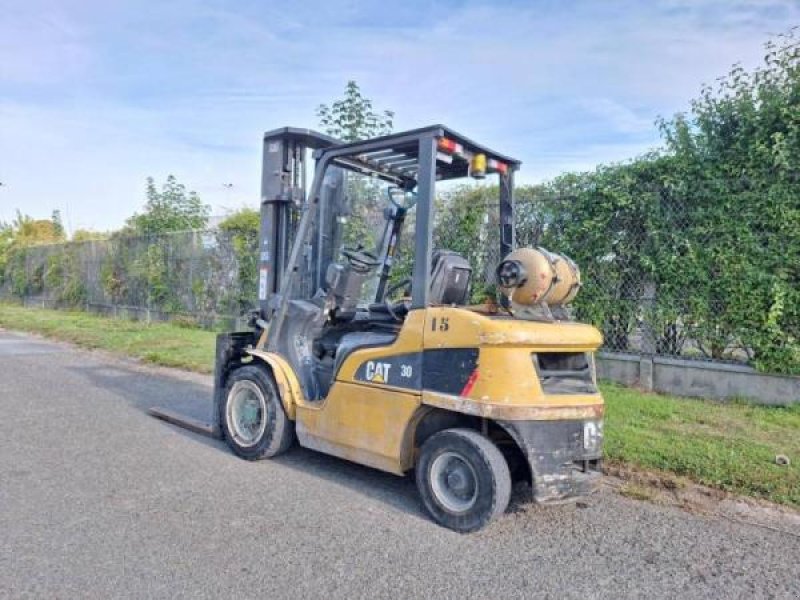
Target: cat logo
377, 372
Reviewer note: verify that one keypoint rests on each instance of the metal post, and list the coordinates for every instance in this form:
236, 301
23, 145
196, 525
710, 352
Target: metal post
426, 186
507, 237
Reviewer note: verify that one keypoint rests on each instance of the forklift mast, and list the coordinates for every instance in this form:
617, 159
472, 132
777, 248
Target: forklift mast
283, 200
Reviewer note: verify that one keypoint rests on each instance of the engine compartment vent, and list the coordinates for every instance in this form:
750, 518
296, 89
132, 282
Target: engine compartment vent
565, 372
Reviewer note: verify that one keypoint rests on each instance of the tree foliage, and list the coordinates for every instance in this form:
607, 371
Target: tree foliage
58, 225
23, 232
736, 168
6, 242
171, 209
240, 230
352, 117
27, 231
89, 235
15, 238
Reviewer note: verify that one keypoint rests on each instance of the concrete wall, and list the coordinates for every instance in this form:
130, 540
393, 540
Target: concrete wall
699, 379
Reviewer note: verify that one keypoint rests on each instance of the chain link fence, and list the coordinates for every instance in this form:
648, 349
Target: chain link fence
659, 278
203, 278
653, 280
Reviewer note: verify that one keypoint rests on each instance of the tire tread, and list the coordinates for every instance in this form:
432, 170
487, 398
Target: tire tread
281, 431
495, 461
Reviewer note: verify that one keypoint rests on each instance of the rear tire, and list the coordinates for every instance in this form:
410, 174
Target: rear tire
253, 421
463, 479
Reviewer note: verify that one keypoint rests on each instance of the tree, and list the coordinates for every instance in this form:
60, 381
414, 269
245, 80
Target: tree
352, 118
28, 231
244, 221
239, 230
58, 225
737, 164
462, 225
171, 209
23, 232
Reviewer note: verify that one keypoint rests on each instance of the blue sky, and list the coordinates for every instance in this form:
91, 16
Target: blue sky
97, 95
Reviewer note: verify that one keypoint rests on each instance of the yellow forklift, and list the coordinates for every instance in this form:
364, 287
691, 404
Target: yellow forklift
366, 346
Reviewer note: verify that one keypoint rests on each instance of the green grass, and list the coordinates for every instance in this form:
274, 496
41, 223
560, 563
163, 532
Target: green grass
731, 446
157, 343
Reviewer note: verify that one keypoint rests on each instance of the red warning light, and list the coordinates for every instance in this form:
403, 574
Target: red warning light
447, 145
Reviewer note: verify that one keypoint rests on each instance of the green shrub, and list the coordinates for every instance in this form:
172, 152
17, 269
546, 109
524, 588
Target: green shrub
240, 230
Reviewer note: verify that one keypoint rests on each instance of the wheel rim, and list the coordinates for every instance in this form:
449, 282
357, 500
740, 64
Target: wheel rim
246, 413
454, 482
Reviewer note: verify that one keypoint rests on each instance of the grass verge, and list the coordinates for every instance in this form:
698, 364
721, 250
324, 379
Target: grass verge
158, 343
729, 446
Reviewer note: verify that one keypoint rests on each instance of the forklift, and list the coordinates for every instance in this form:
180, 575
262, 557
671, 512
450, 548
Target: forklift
386, 362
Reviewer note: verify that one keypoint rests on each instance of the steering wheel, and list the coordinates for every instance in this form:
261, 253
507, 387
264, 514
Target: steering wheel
407, 199
361, 260
393, 307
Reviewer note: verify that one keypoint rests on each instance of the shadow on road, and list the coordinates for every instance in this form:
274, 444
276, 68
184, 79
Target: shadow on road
144, 391
397, 492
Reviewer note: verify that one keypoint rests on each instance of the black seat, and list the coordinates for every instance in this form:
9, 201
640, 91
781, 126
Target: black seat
450, 278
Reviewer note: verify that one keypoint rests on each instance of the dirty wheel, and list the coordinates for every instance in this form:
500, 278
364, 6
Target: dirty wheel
254, 423
463, 479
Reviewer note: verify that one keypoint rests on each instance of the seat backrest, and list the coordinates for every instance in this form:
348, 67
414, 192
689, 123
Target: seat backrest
450, 277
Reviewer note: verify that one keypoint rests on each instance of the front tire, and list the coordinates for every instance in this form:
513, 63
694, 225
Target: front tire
254, 424
463, 479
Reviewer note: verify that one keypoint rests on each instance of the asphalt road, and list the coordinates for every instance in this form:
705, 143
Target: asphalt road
99, 500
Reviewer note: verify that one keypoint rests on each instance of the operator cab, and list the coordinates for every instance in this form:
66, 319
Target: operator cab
346, 282
352, 322
369, 258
